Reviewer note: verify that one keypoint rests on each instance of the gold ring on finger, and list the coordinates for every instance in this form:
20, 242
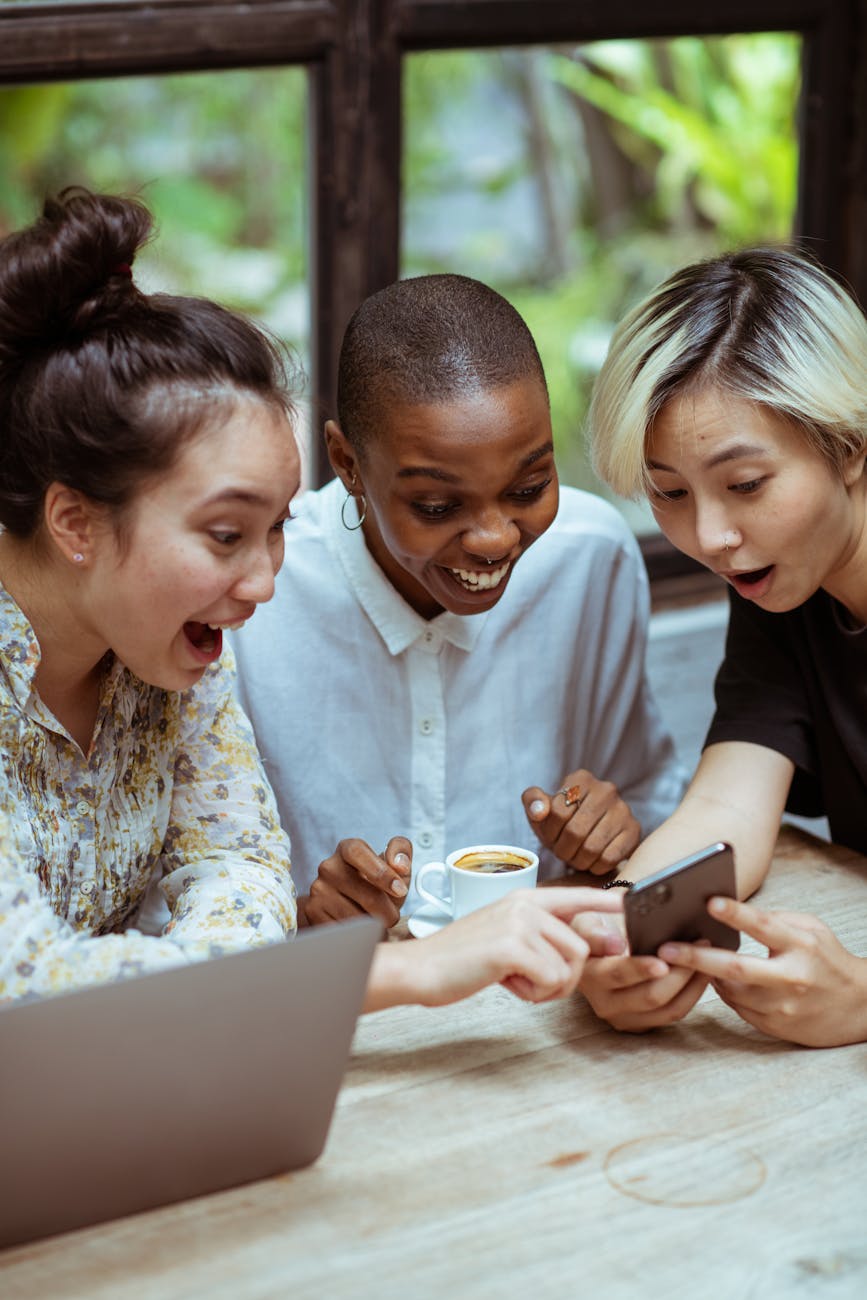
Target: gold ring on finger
572, 795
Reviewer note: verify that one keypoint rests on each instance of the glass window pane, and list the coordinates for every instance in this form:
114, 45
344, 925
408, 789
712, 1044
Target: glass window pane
219, 157
573, 179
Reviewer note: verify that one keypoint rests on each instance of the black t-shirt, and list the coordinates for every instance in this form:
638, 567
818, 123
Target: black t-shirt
797, 683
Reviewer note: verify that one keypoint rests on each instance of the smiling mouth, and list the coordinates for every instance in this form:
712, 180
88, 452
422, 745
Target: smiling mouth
480, 580
207, 638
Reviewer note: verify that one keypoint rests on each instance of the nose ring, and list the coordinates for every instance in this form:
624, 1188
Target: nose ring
726, 540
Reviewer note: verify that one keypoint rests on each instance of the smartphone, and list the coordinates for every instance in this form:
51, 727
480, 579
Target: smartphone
672, 903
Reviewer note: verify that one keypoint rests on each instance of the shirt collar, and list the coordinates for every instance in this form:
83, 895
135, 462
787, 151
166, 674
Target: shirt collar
396, 622
20, 654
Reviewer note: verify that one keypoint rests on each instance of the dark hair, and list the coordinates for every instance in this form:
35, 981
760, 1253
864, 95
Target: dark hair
426, 340
101, 384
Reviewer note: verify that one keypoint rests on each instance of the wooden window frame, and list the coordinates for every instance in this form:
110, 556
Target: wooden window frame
354, 51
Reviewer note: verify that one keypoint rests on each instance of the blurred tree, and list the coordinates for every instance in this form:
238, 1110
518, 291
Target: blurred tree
574, 178
570, 178
219, 157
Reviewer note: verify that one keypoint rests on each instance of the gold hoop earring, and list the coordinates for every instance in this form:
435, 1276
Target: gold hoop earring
362, 511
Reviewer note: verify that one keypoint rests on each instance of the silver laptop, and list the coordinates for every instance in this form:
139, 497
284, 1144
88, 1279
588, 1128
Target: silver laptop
125, 1096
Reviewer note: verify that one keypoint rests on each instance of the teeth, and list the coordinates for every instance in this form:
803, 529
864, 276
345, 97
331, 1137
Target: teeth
474, 580
227, 627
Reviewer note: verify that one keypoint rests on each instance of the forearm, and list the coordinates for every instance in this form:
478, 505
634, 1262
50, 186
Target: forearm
737, 795
847, 1016
230, 905
42, 954
395, 976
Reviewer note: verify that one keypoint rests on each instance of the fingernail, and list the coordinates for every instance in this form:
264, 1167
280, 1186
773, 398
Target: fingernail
717, 905
399, 888
669, 952
401, 860
537, 808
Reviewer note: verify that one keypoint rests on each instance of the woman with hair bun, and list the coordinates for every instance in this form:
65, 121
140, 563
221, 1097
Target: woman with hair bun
147, 463
735, 397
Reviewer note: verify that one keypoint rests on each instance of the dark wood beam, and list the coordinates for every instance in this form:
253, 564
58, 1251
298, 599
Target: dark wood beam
431, 24
855, 168
356, 120
62, 42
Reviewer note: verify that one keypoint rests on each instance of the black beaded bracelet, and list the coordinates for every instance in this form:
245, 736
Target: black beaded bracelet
618, 884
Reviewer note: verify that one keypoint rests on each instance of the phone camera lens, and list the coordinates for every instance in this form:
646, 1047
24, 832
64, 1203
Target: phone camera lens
662, 893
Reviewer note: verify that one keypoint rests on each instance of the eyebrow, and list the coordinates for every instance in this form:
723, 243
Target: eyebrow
443, 476
242, 495
737, 451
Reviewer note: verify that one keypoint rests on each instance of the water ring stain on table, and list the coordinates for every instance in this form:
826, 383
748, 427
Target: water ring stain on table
670, 1169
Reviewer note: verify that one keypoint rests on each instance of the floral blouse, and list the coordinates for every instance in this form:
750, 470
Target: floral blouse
172, 790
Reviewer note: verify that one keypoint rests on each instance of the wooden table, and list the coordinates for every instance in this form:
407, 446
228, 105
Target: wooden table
497, 1149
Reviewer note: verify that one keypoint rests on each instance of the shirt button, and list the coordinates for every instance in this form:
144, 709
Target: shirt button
426, 726
82, 808
428, 636
87, 887
425, 839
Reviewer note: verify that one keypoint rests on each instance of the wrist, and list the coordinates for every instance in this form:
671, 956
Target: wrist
858, 1002
394, 978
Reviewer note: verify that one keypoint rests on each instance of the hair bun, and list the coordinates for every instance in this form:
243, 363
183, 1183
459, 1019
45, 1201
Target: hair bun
69, 271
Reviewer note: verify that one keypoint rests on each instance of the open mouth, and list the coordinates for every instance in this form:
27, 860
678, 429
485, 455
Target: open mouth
207, 641
753, 577
480, 579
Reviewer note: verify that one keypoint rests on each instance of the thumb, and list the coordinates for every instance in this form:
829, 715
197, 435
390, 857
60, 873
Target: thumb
398, 855
537, 804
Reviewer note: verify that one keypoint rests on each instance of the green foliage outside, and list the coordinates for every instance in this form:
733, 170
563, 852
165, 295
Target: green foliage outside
701, 135
220, 158
571, 178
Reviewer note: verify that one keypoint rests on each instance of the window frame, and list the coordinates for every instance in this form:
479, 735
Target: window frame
354, 49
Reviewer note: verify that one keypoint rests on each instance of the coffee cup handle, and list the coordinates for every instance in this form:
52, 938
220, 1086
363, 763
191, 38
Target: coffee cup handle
440, 903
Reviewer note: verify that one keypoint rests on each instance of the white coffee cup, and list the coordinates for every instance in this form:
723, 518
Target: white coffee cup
479, 874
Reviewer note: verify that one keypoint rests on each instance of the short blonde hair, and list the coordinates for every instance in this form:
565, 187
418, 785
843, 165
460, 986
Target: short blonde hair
767, 325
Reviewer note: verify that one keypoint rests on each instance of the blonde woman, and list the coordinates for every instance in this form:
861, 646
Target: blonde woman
735, 398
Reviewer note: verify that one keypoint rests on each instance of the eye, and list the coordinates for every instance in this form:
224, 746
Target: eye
673, 494
433, 509
532, 492
226, 539
279, 524
752, 485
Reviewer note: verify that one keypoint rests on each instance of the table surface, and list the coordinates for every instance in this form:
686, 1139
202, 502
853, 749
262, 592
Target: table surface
497, 1149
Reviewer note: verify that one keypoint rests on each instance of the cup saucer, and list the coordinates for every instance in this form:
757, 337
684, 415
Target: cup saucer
427, 920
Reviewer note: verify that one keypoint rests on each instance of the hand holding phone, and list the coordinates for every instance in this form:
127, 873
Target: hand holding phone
672, 903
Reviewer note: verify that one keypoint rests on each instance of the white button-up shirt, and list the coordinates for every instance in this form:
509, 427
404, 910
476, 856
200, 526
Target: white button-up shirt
373, 721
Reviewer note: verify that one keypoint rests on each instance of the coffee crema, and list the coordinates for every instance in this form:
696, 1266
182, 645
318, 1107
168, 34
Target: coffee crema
492, 863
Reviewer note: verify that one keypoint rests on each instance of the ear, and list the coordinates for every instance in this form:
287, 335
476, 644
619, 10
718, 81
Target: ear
71, 522
853, 469
341, 453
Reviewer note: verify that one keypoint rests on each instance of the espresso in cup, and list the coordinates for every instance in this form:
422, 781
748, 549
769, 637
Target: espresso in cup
492, 863
474, 876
